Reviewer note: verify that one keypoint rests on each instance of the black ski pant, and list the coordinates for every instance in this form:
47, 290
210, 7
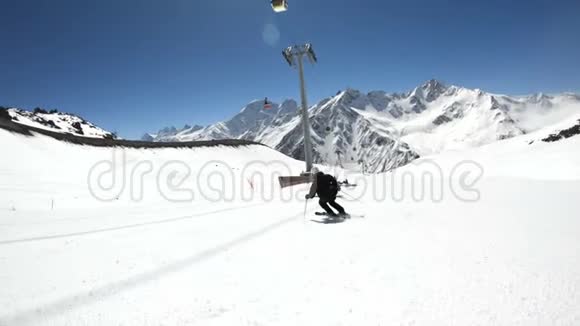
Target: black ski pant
324, 202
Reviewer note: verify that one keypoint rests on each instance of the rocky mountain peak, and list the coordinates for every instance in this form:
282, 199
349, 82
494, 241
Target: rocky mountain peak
382, 131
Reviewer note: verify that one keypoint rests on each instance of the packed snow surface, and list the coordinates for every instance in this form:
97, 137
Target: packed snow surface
498, 245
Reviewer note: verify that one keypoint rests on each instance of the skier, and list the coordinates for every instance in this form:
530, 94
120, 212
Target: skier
327, 188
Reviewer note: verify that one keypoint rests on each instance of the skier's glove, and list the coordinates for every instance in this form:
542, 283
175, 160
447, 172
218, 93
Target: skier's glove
307, 196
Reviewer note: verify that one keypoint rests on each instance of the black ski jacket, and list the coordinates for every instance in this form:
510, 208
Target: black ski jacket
324, 185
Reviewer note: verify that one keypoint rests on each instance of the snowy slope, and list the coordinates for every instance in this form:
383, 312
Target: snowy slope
377, 131
58, 122
224, 257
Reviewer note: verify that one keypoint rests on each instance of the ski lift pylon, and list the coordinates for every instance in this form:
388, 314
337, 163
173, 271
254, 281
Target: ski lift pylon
279, 5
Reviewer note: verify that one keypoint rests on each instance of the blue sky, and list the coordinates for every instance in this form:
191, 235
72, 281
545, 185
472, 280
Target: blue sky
139, 65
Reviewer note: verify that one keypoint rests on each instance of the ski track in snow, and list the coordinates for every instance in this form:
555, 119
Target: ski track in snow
118, 228
101, 293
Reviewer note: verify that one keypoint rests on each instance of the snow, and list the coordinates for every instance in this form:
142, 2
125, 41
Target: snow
508, 258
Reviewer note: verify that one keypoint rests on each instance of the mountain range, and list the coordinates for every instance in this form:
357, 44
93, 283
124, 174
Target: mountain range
378, 131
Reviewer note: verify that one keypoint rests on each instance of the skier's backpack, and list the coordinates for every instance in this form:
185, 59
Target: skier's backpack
327, 186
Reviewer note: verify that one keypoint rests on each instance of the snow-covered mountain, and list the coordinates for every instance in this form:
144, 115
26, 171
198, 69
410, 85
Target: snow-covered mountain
58, 122
381, 131
169, 133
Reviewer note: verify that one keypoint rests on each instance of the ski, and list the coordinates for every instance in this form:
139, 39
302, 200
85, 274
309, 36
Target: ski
329, 220
294, 180
346, 217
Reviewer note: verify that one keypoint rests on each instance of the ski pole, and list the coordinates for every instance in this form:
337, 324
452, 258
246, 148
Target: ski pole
352, 197
305, 207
